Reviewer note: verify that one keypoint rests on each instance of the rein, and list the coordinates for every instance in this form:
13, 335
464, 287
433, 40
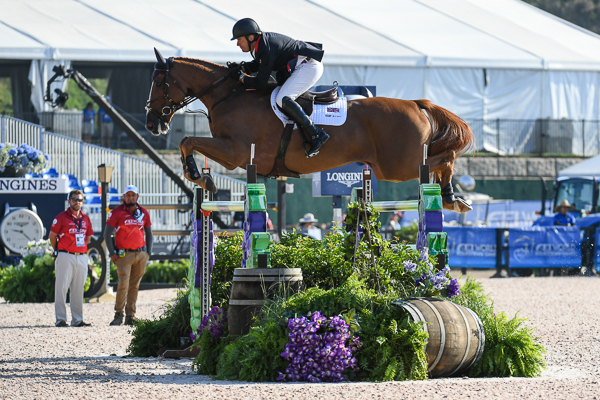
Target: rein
174, 107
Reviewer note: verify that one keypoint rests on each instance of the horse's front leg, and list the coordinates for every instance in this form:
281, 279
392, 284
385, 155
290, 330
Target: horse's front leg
214, 148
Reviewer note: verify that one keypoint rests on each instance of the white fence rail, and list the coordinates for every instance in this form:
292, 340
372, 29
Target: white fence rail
72, 156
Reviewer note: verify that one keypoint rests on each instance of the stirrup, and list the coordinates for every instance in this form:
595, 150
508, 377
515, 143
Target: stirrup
311, 153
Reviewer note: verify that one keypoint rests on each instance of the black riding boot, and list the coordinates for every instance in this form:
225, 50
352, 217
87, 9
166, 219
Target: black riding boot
317, 135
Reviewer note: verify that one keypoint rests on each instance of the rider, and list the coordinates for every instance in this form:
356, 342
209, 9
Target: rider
298, 66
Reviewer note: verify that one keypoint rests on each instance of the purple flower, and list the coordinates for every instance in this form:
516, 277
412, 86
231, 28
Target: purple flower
215, 322
318, 349
453, 288
439, 280
424, 254
409, 266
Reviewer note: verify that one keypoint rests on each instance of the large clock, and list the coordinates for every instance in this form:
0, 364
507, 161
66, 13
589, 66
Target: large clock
19, 227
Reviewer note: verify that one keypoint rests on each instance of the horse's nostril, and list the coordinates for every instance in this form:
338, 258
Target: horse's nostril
149, 125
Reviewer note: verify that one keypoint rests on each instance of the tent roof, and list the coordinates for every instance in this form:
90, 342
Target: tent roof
589, 167
409, 33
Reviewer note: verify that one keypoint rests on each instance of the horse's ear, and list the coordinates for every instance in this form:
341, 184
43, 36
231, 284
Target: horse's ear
159, 57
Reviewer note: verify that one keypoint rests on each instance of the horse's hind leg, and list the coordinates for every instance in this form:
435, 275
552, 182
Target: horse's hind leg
442, 165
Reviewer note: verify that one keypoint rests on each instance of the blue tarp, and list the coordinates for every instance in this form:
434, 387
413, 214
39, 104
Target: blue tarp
545, 247
471, 247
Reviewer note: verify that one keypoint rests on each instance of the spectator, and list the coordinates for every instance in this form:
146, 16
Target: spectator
69, 235
307, 226
88, 123
106, 126
130, 223
393, 223
563, 217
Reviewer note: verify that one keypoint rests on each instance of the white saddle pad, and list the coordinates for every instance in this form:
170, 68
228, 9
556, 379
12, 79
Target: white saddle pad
333, 114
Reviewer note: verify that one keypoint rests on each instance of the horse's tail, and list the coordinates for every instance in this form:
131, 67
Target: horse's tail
450, 132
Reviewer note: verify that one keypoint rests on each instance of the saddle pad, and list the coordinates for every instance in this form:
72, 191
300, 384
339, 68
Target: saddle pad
333, 114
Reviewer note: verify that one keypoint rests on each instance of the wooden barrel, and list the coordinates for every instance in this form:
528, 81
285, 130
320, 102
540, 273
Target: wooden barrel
249, 289
456, 335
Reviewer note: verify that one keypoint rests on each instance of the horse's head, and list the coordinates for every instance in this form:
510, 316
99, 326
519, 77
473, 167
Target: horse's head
171, 90
166, 96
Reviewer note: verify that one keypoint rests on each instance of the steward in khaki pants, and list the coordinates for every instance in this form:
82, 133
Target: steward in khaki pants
130, 252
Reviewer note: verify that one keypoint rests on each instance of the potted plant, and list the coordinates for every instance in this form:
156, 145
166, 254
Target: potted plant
19, 160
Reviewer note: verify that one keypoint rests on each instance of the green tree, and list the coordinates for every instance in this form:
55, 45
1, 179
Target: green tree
5, 96
78, 98
585, 13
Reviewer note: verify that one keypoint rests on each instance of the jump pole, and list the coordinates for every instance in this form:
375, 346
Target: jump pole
429, 205
256, 243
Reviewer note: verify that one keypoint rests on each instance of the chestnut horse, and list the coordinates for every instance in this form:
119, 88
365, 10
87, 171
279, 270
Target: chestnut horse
387, 134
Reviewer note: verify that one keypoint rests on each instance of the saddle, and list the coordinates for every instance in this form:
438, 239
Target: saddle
308, 99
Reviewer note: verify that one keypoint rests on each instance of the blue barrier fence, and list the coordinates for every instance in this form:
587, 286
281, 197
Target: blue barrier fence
597, 253
533, 247
539, 247
471, 247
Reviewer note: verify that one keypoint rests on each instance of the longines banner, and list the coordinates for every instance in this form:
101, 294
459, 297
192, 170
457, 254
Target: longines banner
339, 181
33, 185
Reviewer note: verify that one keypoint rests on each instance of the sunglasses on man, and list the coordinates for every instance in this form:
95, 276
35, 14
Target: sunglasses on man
77, 200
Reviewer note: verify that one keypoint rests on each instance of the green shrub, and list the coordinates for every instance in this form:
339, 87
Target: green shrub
166, 272
31, 282
151, 335
510, 350
228, 257
256, 356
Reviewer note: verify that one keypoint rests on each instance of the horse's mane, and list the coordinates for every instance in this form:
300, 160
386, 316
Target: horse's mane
208, 65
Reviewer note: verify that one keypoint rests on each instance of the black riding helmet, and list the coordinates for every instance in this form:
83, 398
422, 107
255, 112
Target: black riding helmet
245, 27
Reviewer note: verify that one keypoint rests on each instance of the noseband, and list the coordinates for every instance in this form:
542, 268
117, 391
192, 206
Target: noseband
164, 69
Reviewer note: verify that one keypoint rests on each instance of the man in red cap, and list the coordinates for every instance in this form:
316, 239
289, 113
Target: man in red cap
131, 226
69, 235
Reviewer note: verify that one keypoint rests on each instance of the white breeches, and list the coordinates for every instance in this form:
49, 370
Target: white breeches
305, 76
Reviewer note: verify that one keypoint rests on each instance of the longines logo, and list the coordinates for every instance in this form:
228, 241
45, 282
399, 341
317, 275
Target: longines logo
34, 185
345, 178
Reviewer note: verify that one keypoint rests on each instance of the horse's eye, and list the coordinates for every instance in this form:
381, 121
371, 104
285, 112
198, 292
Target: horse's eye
159, 84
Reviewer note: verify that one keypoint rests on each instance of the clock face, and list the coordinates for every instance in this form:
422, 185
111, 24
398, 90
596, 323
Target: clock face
20, 227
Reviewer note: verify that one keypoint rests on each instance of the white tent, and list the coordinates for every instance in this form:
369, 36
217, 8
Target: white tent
482, 59
589, 167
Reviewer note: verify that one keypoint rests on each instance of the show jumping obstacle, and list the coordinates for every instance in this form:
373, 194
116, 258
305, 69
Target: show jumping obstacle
256, 244
429, 205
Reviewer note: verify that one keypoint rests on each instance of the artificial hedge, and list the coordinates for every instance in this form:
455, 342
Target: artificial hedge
374, 336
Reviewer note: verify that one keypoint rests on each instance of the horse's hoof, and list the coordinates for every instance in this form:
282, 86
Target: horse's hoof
192, 168
210, 184
461, 206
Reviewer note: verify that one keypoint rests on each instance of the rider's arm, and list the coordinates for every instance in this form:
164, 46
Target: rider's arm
251, 66
264, 71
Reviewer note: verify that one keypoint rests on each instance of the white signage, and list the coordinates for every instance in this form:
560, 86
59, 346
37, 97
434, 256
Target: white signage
33, 185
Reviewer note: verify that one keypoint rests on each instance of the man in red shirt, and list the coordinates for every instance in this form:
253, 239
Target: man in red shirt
131, 226
72, 229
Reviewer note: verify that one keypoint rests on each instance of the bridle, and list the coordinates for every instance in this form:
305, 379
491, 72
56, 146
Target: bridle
175, 106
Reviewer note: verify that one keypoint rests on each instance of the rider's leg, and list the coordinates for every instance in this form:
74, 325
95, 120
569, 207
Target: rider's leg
306, 74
